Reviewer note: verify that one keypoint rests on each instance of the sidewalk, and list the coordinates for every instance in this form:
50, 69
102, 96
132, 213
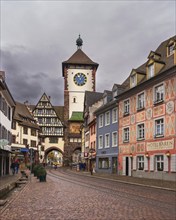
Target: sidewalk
7, 183
154, 183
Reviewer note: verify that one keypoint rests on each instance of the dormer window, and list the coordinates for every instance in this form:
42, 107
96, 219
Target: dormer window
170, 49
150, 71
114, 94
105, 100
133, 80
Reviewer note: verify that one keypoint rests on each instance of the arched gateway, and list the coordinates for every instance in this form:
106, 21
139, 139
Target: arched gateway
53, 155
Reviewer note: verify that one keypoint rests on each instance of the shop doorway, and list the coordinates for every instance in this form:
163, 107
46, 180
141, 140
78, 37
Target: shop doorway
127, 166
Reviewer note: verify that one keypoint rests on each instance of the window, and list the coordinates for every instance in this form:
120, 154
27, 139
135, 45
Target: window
103, 163
53, 139
126, 134
74, 99
151, 71
100, 121
105, 100
14, 139
133, 80
114, 94
140, 102
140, 131
159, 93
126, 107
170, 49
42, 148
159, 127
107, 118
40, 121
159, 162
25, 142
33, 132
114, 139
14, 125
33, 143
140, 162
40, 111
114, 115
100, 142
107, 140
25, 130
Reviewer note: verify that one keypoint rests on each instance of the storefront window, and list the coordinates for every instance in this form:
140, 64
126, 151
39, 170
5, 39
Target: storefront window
103, 163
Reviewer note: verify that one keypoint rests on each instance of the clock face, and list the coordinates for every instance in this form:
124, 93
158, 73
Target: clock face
80, 79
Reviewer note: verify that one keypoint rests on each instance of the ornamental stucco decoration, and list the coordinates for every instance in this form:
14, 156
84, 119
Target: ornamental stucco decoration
169, 107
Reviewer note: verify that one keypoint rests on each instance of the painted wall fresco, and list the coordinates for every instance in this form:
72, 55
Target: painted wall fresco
166, 110
170, 89
149, 98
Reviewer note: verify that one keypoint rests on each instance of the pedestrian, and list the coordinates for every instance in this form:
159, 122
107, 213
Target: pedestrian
16, 166
13, 167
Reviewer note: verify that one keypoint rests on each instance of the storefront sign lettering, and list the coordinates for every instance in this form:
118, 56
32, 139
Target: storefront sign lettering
160, 145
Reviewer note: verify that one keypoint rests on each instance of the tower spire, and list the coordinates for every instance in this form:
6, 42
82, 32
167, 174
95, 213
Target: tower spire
79, 42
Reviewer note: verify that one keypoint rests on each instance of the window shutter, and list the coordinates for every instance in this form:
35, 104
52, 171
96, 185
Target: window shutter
145, 163
166, 168
124, 165
129, 166
173, 163
134, 163
152, 163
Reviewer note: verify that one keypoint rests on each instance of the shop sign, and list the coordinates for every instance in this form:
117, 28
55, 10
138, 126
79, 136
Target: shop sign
160, 145
3, 142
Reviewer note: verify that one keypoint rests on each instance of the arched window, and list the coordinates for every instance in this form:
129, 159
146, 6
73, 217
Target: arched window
74, 99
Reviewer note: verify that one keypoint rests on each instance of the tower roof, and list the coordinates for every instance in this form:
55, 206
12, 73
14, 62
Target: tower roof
80, 58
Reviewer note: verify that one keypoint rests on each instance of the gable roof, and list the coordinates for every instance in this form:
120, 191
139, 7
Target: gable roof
23, 115
168, 62
91, 98
60, 112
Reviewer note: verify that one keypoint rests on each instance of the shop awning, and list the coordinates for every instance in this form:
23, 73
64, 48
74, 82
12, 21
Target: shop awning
24, 150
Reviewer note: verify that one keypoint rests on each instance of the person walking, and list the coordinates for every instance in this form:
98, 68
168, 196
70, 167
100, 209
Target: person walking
16, 166
13, 167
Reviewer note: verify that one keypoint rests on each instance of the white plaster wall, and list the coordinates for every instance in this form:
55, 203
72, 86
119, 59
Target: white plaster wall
59, 144
78, 91
5, 121
78, 106
20, 136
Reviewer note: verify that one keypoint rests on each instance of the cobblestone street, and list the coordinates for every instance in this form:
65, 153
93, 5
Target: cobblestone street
69, 197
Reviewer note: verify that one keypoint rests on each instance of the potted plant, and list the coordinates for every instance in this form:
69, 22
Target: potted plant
41, 174
35, 168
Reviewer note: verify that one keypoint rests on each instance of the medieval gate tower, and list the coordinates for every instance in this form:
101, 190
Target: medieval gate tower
79, 73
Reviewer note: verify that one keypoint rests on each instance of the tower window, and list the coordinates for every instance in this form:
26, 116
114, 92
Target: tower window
74, 99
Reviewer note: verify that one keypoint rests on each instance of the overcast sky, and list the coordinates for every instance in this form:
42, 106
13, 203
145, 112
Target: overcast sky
37, 36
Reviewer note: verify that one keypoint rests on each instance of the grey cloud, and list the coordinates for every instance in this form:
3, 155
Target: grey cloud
36, 37
28, 84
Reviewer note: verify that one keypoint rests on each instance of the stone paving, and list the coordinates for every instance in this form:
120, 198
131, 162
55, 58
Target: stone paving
59, 199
